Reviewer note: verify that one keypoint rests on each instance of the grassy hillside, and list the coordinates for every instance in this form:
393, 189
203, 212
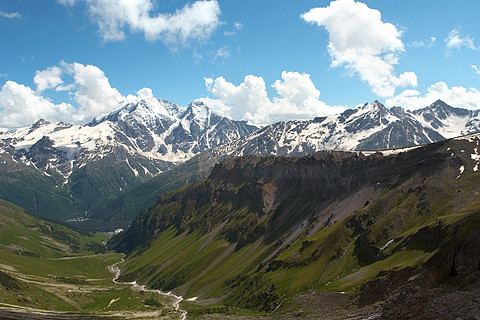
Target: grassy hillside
47, 268
33, 190
122, 210
51, 195
260, 231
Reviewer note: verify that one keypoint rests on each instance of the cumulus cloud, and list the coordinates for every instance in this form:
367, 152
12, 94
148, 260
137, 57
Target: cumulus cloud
297, 98
194, 21
93, 92
87, 84
246, 99
20, 105
145, 93
48, 79
456, 41
461, 97
217, 106
360, 40
10, 15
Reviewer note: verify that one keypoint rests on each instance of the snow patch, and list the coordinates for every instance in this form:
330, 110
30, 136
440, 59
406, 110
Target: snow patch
462, 169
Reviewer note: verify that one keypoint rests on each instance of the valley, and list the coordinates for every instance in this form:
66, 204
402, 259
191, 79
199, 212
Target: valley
49, 271
262, 227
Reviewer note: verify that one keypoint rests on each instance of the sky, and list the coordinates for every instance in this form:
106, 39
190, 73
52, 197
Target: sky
261, 61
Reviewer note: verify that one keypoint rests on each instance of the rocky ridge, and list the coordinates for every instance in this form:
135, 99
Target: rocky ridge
270, 228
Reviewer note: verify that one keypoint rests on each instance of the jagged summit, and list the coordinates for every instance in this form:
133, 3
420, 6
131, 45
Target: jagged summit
146, 109
367, 127
442, 110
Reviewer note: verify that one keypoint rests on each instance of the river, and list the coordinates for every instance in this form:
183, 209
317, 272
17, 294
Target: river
138, 287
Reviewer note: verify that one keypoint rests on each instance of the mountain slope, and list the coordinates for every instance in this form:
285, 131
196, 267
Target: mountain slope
122, 210
94, 163
262, 228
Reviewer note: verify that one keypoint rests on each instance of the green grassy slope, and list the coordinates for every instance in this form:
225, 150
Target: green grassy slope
33, 190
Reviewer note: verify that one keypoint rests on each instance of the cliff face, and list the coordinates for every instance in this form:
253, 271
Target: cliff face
262, 227
280, 192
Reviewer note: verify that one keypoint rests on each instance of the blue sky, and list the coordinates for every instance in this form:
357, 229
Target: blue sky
261, 61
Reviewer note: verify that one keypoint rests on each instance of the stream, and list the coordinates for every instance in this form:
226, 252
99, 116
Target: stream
138, 287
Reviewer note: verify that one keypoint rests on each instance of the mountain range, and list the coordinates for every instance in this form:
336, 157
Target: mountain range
89, 164
367, 127
371, 126
86, 171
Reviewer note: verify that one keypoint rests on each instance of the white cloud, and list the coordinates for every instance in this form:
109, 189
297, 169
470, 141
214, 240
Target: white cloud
360, 40
194, 21
145, 93
10, 15
461, 97
218, 106
222, 52
89, 87
246, 99
237, 27
48, 79
20, 105
456, 41
476, 69
297, 98
67, 2
93, 92
426, 44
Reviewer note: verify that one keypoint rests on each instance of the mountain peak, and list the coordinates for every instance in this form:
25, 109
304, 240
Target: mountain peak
443, 110
376, 104
439, 104
158, 107
40, 123
146, 110
198, 103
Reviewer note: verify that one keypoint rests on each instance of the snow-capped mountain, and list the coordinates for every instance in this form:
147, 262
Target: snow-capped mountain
117, 151
368, 127
152, 128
